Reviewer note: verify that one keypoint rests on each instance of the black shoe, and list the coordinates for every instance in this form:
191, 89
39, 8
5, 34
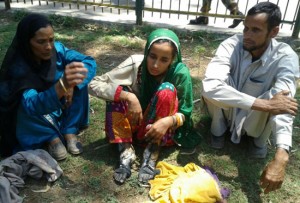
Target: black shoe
202, 20
217, 142
255, 152
236, 22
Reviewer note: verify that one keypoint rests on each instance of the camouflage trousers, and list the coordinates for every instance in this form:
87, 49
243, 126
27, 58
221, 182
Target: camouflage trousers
231, 5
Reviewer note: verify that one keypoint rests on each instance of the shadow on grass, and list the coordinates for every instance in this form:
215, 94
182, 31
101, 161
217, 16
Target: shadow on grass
235, 170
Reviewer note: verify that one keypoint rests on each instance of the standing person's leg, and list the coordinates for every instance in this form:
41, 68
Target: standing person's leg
205, 6
202, 20
232, 6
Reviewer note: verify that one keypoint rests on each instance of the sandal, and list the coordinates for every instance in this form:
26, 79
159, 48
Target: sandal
122, 173
147, 171
127, 157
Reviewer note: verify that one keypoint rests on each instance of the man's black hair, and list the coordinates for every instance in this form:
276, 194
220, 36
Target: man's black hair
271, 9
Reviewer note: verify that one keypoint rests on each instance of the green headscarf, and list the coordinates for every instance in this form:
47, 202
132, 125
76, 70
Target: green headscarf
178, 74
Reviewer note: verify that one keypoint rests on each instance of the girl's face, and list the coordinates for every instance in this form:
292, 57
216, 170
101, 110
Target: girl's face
159, 59
42, 43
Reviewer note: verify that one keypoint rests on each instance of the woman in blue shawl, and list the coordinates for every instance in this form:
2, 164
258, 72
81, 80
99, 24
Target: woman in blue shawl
43, 91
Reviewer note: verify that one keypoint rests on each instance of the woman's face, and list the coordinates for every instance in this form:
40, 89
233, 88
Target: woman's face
42, 43
159, 59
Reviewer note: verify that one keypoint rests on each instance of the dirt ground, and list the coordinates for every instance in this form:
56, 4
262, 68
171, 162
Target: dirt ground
106, 62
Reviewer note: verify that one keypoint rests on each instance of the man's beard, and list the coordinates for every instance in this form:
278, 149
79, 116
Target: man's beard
255, 47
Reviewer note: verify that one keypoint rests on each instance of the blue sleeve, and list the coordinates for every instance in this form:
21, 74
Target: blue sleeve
66, 56
40, 103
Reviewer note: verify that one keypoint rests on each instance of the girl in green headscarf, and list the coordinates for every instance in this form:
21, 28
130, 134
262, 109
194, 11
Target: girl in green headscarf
149, 100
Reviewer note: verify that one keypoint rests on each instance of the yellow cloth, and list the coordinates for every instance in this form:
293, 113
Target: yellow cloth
188, 184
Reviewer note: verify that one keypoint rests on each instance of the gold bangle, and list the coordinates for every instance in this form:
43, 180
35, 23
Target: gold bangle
174, 121
62, 85
182, 118
179, 119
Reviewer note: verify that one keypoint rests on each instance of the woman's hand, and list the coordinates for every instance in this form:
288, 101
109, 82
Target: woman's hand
134, 110
75, 73
157, 130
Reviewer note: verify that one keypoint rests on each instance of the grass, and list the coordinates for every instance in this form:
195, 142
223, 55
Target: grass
88, 177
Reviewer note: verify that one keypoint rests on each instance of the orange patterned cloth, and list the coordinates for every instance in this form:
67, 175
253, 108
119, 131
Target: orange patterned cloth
118, 129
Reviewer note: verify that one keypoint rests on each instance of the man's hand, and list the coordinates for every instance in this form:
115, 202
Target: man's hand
281, 103
273, 175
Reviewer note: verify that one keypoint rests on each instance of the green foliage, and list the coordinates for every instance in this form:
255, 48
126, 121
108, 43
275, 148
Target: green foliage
94, 182
19, 14
6, 37
200, 49
63, 21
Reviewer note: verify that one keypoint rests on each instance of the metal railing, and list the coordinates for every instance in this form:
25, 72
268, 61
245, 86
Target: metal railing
179, 8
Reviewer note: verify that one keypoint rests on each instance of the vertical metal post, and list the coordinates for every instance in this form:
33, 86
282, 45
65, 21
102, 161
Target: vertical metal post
170, 8
179, 8
7, 4
296, 29
161, 7
110, 3
127, 4
139, 11
152, 7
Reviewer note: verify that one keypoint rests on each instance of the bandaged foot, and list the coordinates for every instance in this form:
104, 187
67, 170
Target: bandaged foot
147, 171
127, 157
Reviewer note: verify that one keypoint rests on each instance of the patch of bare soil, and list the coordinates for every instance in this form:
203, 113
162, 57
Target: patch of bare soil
108, 58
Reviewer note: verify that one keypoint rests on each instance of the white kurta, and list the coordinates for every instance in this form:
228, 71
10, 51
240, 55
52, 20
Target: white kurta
232, 83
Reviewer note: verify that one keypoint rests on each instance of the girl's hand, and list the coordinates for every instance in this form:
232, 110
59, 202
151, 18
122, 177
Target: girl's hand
134, 110
157, 130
